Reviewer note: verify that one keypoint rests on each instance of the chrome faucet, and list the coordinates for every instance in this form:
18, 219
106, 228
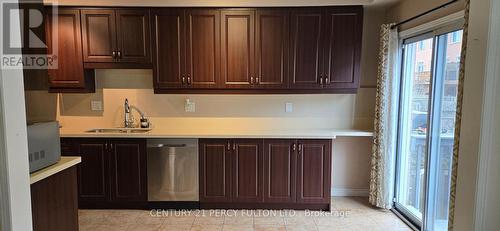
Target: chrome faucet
129, 122
129, 119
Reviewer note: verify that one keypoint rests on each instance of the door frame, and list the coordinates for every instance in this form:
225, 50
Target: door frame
432, 30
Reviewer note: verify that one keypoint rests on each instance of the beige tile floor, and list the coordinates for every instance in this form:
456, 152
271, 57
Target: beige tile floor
349, 213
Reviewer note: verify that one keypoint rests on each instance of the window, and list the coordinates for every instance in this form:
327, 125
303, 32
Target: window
421, 45
455, 37
420, 67
426, 128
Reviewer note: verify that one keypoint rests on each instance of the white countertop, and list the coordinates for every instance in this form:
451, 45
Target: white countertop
283, 134
64, 163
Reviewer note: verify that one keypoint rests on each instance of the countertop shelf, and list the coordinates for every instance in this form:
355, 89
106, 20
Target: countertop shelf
64, 163
269, 134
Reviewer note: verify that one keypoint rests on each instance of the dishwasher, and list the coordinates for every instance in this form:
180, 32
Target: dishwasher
172, 170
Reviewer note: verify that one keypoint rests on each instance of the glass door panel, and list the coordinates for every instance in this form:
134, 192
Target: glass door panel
413, 135
443, 128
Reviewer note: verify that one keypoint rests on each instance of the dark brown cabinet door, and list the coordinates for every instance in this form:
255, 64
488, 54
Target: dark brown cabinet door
133, 36
93, 171
237, 51
271, 42
128, 170
342, 48
99, 35
247, 170
69, 73
313, 171
215, 168
202, 48
168, 48
305, 53
279, 170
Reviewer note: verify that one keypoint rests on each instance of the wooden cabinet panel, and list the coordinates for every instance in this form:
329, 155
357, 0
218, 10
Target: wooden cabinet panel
112, 173
168, 48
215, 170
306, 32
342, 48
128, 170
69, 73
279, 170
237, 49
99, 35
54, 202
271, 41
202, 48
247, 172
133, 35
93, 184
314, 170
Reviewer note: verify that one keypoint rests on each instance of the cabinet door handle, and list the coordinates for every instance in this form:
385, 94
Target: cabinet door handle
228, 146
113, 54
294, 147
111, 145
327, 81
300, 148
183, 79
257, 80
189, 79
321, 80
234, 146
251, 80
119, 53
106, 147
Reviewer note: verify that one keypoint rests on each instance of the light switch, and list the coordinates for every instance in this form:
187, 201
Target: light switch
96, 105
189, 106
288, 107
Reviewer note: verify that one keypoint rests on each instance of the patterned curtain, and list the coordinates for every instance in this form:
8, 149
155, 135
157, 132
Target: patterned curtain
383, 161
458, 121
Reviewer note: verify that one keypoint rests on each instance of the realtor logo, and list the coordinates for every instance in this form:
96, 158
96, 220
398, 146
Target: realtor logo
23, 28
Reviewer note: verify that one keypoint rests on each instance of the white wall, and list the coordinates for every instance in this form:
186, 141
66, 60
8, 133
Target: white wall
472, 110
15, 201
487, 200
14, 171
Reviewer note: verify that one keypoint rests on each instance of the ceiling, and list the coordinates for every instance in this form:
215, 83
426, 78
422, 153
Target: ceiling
219, 3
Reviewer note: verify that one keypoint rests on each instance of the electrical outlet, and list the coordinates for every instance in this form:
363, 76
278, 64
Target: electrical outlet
288, 107
96, 105
189, 106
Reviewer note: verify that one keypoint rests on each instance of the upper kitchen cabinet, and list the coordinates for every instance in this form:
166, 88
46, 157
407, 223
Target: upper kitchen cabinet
342, 49
186, 49
237, 48
271, 48
116, 38
168, 49
306, 48
69, 75
326, 49
202, 48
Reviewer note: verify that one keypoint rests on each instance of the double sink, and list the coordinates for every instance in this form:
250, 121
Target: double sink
119, 130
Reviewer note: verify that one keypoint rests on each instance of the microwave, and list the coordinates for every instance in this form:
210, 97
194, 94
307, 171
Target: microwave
44, 145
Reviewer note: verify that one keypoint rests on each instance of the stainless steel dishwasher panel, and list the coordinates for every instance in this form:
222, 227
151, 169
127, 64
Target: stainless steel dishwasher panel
173, 170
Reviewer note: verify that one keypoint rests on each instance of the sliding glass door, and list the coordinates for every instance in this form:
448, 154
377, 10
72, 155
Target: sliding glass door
430, 68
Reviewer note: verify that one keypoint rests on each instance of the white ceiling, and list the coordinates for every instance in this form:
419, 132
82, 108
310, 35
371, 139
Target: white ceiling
218, 3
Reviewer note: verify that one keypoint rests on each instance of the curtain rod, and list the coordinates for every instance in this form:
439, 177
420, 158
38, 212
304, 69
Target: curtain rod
425, 13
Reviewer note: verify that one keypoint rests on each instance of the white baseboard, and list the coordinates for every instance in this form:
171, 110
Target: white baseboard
349, 192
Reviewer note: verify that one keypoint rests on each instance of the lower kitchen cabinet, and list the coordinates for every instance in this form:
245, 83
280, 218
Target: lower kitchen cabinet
247, 170
112, 173
265, 173
279, 168
215, 168
313, 171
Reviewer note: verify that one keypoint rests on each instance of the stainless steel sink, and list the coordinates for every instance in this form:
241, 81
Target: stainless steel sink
119, 130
